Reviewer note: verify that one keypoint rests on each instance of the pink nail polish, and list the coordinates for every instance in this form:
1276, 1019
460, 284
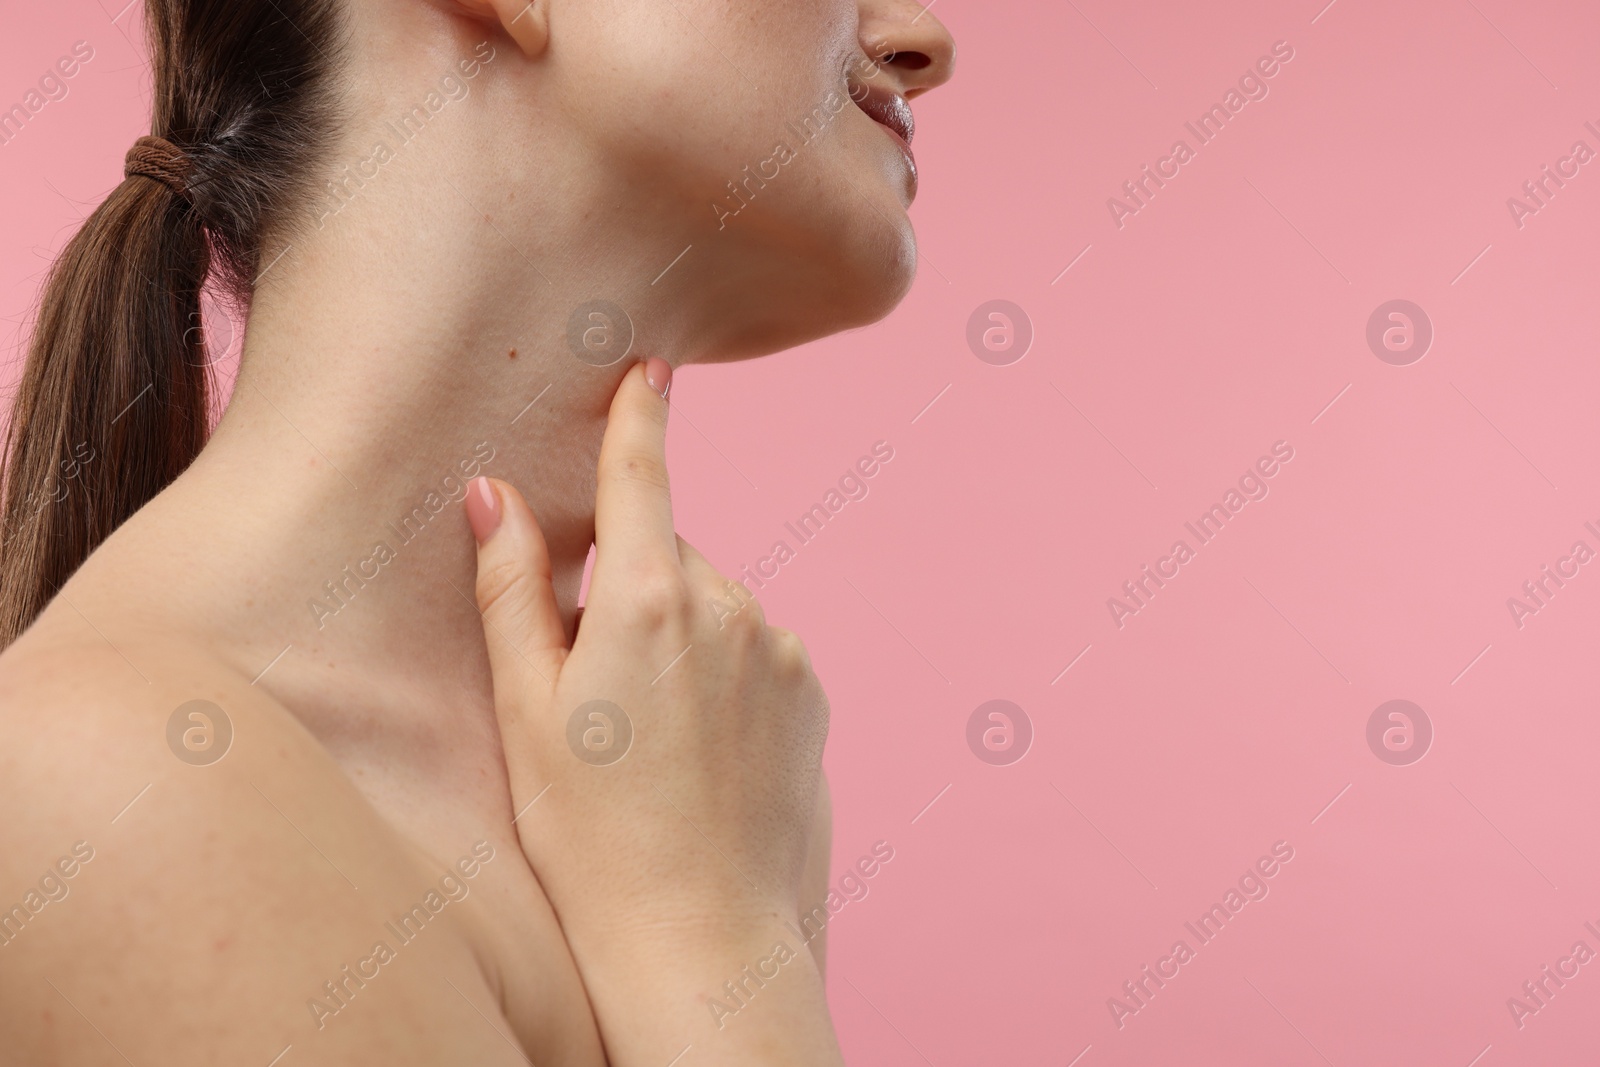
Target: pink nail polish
658, 372
483, 509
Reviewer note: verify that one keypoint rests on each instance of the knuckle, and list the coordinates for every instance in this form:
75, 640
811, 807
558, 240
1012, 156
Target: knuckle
660, 597
639, 468
501, 585
789, 653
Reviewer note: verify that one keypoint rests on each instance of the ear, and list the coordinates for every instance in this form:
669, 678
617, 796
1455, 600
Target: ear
526, 21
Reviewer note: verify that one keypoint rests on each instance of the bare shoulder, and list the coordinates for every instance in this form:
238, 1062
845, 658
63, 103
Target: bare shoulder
186, 876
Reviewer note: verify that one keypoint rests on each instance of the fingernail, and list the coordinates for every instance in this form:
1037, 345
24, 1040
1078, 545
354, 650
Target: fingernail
483, 509
658, 372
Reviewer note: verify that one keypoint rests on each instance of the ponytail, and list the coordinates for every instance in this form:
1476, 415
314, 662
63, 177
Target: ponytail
114, 399
112, 404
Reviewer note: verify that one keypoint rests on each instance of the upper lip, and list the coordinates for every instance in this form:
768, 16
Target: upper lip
886, 107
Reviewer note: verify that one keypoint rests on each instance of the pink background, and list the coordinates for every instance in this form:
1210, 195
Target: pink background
1225, 716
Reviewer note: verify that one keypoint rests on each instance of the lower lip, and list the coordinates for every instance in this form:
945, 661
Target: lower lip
904, 147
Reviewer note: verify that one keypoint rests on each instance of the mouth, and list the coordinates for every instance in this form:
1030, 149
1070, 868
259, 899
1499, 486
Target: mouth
889, 110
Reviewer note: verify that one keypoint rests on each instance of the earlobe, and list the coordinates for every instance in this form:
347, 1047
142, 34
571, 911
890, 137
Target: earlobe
527, 21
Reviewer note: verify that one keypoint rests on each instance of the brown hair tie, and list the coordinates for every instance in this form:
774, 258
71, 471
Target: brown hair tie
159, 160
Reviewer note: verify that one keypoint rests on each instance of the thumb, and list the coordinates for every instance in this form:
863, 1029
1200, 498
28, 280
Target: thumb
521, 621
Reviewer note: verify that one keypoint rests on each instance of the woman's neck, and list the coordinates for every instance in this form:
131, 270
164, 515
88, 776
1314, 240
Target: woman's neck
318, 542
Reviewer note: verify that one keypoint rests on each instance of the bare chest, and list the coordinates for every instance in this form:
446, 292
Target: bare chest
444, 796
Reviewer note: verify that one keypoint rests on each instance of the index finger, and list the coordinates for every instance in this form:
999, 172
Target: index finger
633, 499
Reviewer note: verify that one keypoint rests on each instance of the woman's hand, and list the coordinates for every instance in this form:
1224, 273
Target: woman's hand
664, 769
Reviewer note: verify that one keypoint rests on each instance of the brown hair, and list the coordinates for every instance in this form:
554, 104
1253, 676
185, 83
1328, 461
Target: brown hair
114, 395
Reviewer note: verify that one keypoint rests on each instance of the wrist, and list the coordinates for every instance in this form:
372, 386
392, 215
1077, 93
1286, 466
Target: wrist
753, 995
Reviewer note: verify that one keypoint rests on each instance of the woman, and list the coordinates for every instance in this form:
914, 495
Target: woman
293, 789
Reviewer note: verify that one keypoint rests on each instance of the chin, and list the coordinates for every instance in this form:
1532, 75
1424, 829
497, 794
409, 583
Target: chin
865, 285
807, 292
